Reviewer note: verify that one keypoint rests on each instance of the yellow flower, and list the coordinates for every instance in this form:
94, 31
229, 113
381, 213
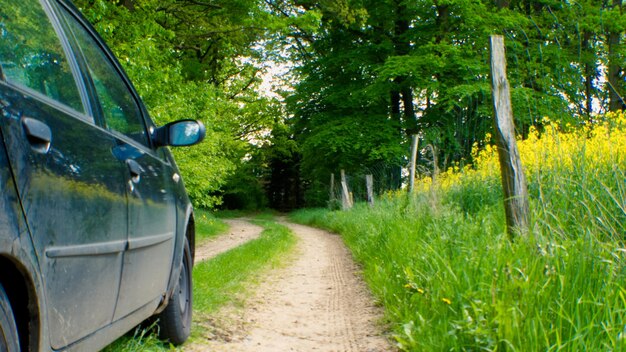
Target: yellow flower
600, 143
446, 301
413, 286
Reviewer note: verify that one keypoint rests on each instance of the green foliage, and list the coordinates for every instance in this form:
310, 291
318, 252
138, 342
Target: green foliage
366, 75
143, 338
434, 55
281, 159
244, 189
189, 60
341, 115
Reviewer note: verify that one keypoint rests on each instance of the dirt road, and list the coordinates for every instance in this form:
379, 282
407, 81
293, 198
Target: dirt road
240, 231
317, 302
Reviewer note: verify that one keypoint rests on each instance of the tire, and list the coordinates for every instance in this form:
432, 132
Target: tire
9, 341
175, 320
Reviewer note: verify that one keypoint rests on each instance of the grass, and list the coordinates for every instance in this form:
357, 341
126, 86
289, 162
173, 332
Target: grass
141, 339
449, 278
208, 225
452, 281
219, 281
230, 214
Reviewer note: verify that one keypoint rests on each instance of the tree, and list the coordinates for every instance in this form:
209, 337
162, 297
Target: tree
341, 111
368, 73
196, 59
284, 186
616, 25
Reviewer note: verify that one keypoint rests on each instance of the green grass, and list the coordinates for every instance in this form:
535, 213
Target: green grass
450, 279
267, 214
141, 339
230, 214
219, 281
207, 225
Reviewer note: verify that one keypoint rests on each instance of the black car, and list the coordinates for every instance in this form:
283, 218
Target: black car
96, 229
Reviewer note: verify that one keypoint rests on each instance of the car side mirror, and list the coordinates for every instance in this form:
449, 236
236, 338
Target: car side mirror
179, 133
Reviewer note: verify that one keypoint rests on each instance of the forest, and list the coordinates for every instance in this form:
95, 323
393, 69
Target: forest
294, 90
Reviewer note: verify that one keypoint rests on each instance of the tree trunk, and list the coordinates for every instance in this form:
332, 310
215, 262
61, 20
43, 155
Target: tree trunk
402, 47
395, 105
589, 74
501, 4
129, 4
409, 111
615, 84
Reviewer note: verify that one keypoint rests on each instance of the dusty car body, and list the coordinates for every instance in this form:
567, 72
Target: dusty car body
96, 229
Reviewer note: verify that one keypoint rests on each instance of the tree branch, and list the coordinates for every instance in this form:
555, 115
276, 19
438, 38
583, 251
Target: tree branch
201, 3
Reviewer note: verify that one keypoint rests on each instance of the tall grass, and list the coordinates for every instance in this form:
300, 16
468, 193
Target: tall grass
441, 264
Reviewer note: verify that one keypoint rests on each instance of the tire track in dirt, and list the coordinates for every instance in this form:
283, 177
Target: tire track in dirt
315, 303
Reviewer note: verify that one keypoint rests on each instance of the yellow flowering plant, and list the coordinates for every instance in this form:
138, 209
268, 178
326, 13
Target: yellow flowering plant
599, 144
553, 151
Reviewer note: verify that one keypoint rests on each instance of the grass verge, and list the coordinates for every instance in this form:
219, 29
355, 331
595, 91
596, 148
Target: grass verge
207, 225
451, 281
218, 281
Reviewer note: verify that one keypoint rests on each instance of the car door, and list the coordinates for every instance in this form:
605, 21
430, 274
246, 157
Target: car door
151, 204
71, 185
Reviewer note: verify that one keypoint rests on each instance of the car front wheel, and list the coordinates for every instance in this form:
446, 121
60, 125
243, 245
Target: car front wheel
175, 320
9, 341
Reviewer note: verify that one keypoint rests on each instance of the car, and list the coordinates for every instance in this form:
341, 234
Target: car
96, 228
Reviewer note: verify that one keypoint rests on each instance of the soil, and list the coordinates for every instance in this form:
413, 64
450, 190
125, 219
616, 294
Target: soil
316, 302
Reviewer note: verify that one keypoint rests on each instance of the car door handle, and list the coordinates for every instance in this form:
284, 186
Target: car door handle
38, 133
135, 170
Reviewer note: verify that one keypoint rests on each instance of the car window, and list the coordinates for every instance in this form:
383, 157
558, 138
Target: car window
119, 107
32, 55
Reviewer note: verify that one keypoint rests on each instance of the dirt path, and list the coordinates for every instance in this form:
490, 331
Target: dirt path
240, 232
315, 303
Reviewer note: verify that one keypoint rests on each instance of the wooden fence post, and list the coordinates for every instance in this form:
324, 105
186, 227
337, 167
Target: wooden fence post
513, 179
346, 197
414, 141
331, 192
369, 184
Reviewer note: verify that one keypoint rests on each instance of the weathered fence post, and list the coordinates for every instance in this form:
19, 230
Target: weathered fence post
369, 184
414, 140
513, 179
346, 198
331, 192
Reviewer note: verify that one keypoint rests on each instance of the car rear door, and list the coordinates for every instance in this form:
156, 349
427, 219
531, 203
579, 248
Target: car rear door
151, 204
70, 182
